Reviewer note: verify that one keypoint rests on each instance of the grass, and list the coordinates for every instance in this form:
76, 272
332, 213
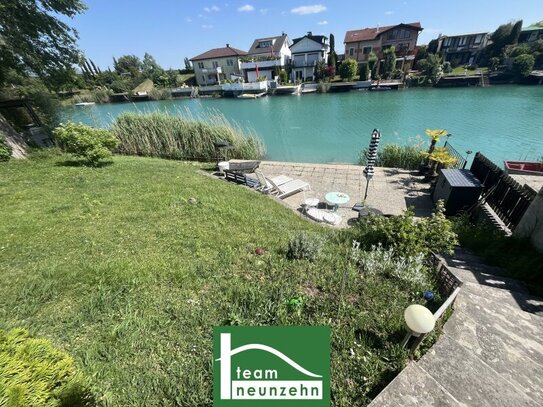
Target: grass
122, 269
181, 136
460, 70
408, 157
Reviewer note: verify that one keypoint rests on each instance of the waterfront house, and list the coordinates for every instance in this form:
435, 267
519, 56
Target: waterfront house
218, 64
464, 49
306, 52
531, 33
267, 56
403, 37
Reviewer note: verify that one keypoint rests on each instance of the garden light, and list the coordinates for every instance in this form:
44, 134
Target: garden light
419, 321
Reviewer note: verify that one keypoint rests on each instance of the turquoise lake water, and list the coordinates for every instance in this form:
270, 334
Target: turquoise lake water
503, 122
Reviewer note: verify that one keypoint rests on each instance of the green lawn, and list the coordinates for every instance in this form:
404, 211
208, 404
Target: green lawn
117, 266
460, 70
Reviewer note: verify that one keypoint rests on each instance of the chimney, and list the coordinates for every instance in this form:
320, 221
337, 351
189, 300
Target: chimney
309, 33
377, 27
227, 45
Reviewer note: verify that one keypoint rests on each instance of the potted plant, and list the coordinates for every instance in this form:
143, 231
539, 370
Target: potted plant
435, 135
441, 158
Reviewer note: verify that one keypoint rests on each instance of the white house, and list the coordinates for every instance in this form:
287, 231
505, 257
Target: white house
306, 51
217, 64
267, 56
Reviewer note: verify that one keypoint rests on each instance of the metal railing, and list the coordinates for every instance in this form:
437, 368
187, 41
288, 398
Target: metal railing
461, 162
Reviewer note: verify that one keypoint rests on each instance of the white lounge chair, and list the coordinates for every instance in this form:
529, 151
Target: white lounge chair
319, 215
281, 186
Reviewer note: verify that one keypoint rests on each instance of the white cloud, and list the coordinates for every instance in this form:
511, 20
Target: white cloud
323, 22
314, 9
210, 9
188, 20
246, 7
389, 13
263, 11
207, 26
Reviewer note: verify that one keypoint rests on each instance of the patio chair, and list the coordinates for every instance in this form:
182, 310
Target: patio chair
233, 176
282, 186
319, 215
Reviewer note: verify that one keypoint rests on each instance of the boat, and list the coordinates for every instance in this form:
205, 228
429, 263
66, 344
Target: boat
310, 90
288, 90
85, 104
251, 95
380, 88
524, 167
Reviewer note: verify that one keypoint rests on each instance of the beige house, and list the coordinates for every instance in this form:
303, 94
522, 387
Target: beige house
217, 65
403, 37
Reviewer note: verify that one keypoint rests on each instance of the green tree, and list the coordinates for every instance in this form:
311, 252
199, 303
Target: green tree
34, 39
389, 63
332, 59
431, 68
372, 64
493, 64
505, 34
332, 44
283, 76
364, 72
150, 68
320, 70
130, 64
523, 65
348, 69
432, 47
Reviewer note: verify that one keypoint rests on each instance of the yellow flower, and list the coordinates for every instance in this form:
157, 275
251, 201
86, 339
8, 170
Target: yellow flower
436, 134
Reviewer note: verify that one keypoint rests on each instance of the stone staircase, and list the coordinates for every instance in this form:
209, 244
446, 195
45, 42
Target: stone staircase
491, 351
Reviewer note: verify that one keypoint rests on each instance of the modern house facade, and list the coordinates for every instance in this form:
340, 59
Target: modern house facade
465, 49
359, 44
531, 33
266, 57
306, 52
217, 64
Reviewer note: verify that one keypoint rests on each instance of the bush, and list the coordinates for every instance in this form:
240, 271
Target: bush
364, 72
85, 142
406, 235
493, 64
323, 87
180, 136
395, 156
34, 373
5, 150
523, 65
160, 94
447, 68
304, 246
283, 76
348, 69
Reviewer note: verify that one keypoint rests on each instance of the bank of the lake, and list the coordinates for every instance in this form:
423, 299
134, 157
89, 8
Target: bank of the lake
504, 122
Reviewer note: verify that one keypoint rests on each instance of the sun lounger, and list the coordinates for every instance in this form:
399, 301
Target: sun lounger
241, 179
281, 186
323, 216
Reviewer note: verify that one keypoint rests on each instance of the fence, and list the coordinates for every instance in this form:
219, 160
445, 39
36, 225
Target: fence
461, 162
506, 197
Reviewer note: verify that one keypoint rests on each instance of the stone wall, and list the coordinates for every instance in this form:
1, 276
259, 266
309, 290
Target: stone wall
531, 224
14, 139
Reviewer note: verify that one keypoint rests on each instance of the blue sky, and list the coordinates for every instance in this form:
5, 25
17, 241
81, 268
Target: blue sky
173, 29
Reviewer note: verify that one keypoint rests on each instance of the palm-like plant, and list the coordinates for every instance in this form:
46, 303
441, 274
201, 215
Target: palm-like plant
435, 135
440, 156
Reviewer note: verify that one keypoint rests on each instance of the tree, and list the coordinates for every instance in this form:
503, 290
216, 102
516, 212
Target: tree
431, 68
33, 39
432, 47
332, 59
389, 63
422, 53
364, 72
505, 34
348, 69
320, 70
332, 44
188, 64
372, 64
493, 64
150, 68
128, 64
523, 65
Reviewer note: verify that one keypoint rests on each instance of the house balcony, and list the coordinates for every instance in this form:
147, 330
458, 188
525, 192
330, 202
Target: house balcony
261, 64
304, 64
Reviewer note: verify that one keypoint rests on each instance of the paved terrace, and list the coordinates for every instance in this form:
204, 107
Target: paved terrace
391, 190
490, 353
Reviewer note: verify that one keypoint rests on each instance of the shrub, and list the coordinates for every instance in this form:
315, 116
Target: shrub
34, 373
160, 94
523, 65
5, 150
85, 142
348, 69
409, 236
180, 136
395, 156
364, 72
323, 87
447, 68
304, 246
493, 64
283, 76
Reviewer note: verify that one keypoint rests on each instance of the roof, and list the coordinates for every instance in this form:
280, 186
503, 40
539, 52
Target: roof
532, 28
369, 34
227, 51
320, 39
278, 43
465, 34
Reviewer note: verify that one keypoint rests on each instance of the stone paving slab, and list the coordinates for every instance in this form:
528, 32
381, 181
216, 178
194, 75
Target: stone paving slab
391, 191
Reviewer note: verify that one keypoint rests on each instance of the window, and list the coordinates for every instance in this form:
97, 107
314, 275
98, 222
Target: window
366, 50
351, 52
201, 65
463, 41
478, 39
406, 34
265, 44
447, 42
392, 35
230, 62
204, 78
215, 64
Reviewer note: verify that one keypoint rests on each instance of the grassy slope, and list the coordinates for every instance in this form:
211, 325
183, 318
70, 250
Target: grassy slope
114, 265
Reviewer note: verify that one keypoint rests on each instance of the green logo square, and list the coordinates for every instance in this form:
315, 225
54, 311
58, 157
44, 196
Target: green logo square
271, 366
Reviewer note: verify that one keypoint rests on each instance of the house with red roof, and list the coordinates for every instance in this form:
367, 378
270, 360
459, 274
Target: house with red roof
403, 37
217, 65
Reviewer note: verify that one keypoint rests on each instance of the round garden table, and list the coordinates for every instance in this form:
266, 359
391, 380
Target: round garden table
336, 198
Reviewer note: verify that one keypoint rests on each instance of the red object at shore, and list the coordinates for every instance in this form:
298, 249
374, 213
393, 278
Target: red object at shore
523, 167
257, 73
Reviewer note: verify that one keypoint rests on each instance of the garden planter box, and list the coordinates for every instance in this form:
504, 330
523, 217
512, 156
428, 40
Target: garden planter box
459, 189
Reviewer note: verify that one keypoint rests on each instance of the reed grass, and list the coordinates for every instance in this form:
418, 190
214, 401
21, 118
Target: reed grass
395, 156
182, 136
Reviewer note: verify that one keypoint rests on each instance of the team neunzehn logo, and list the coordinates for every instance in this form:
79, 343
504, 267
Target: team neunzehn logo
271, 366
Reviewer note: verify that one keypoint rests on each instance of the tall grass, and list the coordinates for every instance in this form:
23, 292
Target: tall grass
396, 156
181, 136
